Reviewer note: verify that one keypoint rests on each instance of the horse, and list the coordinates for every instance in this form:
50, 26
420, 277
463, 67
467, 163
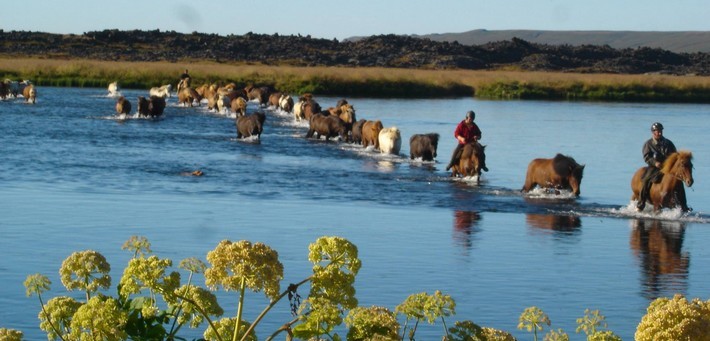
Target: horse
156, 106
371, 133
30, 94
390, 140
357, 131
472, 161
560, 172
423, 146
676, 170
328, 126
346, 112
4, 90
114, 90
274, 98
188, 95
143, 105
163, 91
251, 125
183, 84
123, 106
239, 106
298, 107
309, 108
223, 103
286, 103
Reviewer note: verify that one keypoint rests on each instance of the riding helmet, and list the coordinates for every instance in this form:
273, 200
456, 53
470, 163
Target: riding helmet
657, 126
472, 115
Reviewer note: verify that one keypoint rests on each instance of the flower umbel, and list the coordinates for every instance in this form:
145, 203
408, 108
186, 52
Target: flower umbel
256, 263
372, 323
99, 319
138, 244
36, 284
85, 270
533, 319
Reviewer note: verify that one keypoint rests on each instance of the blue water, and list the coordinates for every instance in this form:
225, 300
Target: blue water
75, 177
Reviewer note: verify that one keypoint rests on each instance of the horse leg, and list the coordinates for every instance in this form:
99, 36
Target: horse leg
681, 199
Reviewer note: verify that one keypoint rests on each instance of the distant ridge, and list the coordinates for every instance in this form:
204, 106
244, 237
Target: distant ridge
679, 42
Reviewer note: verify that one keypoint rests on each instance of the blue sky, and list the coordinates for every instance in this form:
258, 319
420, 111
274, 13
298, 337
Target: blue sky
342, 19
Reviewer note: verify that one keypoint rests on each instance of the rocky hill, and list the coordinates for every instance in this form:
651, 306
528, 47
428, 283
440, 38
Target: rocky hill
679, 42
382, 51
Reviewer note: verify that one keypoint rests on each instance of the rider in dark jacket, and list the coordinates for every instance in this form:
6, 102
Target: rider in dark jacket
655, 151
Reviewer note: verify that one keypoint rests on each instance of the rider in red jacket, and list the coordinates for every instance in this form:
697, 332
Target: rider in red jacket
467, 131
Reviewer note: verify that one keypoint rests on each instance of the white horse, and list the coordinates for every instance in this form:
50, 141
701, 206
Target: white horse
163, 91
223, 104
114, 90
286, 103
390, 140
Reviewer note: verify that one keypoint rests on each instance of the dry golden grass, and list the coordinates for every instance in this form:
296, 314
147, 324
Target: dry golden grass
141, 74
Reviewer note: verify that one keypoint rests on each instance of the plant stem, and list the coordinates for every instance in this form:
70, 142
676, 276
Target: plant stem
286, 327
173, 331
56, 330
239, 309
291, 287
204, 314
446, 330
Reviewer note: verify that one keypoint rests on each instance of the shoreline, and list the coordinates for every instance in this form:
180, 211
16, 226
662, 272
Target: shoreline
373, 82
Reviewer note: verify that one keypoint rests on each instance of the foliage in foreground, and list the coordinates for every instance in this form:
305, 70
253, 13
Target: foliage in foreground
153, 303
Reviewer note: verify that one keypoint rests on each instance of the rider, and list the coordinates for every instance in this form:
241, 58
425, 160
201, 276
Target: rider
655, 151
184, 80
466, 132
184, 75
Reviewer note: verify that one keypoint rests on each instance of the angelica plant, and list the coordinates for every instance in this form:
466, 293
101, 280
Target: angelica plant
423, 306
675, 319
241, 265
335, 266
56, 325
533, 319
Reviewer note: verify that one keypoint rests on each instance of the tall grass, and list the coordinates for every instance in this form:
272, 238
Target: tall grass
370, 82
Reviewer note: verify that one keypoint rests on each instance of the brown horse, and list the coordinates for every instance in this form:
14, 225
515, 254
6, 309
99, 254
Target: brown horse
472, 161
560, 172
371, 133
668, 192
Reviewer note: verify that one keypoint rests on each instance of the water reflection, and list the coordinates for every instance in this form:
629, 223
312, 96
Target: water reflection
658, 246
464, 227
559, 223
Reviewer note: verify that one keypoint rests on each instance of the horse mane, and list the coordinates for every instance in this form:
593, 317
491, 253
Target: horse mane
671, 160
562, 164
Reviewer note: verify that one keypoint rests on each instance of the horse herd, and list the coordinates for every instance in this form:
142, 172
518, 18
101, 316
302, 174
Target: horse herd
10, 88
558, 173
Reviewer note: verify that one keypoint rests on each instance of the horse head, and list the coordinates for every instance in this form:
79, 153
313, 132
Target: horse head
480, 153
347, 114
680, 165
575, 177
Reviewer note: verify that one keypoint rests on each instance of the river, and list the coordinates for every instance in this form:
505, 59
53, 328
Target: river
75, 177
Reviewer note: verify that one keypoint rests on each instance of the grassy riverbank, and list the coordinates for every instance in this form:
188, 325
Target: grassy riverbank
368, 82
